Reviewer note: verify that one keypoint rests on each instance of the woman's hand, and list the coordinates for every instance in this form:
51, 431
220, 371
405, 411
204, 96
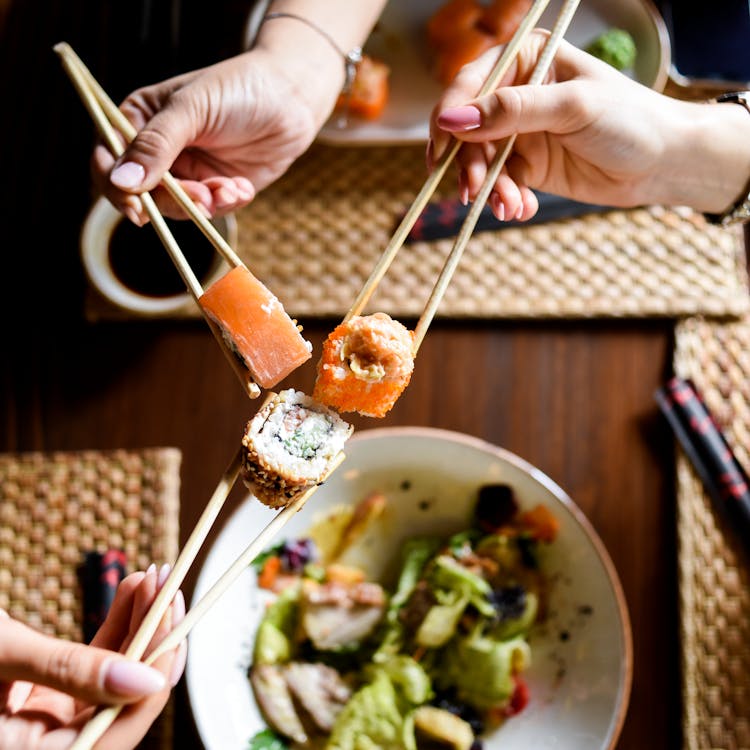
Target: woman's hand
49, 687
589, 133
226, 131
230, 129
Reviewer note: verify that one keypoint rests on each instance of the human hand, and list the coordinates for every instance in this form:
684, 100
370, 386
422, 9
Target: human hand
225, 131
49, 687
589, 133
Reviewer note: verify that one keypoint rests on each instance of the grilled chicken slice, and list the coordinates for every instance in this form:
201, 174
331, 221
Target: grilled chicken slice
272, 693
336, 615
319, 689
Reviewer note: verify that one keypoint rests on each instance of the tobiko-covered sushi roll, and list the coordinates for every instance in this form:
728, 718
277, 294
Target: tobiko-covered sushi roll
255, 325
289, 447
365, 365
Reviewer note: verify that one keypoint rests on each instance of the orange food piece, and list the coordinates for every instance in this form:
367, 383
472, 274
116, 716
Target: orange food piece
370, 90
256, 326
461, 30
269, 572
462, 49
365, 365
542, 524
451, 20
502, 17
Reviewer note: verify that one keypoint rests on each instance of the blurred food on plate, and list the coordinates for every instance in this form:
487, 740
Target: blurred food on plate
614, 46
369, 90
432, 659
459, 31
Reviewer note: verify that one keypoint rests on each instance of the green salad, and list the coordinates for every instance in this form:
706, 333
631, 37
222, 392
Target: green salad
433, 661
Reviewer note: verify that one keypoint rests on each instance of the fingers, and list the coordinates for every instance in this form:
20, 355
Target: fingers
465, 87
556, 108
115, 627
156, 146
89, 673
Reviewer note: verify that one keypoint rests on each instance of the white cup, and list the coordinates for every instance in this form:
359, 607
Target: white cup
96, 235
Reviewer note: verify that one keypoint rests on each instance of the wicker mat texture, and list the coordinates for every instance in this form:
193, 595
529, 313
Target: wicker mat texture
314, 236
55, 507
714, 577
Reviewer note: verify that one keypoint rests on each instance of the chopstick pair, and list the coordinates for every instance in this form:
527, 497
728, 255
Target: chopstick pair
108, 121
101, 721
564, 18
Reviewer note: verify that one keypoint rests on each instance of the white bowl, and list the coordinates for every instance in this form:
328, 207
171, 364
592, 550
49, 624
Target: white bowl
581, 668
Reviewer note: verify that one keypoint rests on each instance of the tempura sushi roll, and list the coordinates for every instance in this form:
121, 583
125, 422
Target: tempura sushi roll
289, 447
365, 365
256, 327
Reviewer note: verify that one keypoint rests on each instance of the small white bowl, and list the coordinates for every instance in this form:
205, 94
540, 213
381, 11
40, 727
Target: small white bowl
96, 234
581, 669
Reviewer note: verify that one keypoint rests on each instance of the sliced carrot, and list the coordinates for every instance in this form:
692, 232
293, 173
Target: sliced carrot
269, 572
256, 325
542, 524
451, 20
370, 90
502, 17
462, 49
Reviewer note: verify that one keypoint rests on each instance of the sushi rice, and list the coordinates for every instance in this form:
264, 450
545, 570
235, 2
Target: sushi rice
289, 446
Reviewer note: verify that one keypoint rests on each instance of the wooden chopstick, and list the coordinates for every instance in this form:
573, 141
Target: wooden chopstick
537, 77
128, 131
99, 723
110, 137
102, 720
255, 547
433, 180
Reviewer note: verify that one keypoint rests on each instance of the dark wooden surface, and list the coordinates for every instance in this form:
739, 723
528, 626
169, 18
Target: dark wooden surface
573, 398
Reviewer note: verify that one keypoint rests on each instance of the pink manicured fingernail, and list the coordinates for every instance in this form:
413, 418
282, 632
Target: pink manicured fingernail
131, 678
163, 575
127, 175
460, 118
498, 208
519, 213
178, 665
178, 609
225, 197
463, 188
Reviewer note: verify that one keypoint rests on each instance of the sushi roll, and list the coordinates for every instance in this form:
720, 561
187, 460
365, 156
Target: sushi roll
365, 365
256, 327
289, 446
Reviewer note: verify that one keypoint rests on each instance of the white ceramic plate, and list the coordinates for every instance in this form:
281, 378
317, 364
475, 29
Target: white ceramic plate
399, 40
581, 657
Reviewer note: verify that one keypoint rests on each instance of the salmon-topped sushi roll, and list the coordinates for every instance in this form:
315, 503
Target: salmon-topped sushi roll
289, 446
365, 365
255, 326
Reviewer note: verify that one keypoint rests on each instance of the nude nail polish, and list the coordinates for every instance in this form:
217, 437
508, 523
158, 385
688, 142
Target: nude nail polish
131, 678
127, 175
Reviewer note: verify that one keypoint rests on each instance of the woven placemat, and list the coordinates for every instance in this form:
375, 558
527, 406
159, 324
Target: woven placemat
314, 236
56, 506
714, 579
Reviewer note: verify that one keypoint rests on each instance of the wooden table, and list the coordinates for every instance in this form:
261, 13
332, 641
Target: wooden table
573, 398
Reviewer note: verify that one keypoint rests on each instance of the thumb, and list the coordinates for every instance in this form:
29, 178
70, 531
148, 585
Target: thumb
551, 108
154, 149
94, 675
